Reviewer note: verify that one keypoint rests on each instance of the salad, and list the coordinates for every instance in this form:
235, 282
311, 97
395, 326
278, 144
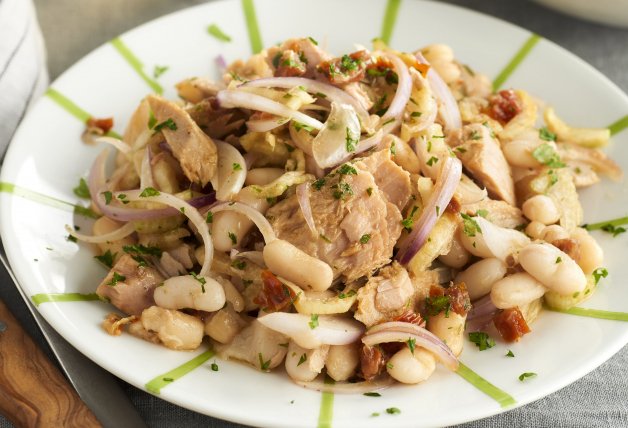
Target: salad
354, 216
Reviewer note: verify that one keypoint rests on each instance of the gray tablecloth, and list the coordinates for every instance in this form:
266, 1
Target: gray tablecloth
72, 29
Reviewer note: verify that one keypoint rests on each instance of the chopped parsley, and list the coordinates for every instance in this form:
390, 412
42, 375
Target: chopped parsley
200, 279
167, 379
302, 359
460, 149
369, 191
474, 135
82, 191
393, 411
416, 114
411, 344
471, 227
233, 237
558, 260
217, 33
142, 249
318, 184
393, 149
343, 190
168, 123
108, 196
350, 141
236, 166
264, 365
210, 217
374, 414
546, 155
239, 264
313, 41
347, 169
159, 70
350, 293
437, 304
372, 394
546, 135
214, 367
437, 211
152, 120
510, 354
148, 192
408, 222
525, 375
301, 126
482, 340
389, 365
364, 239
115, 279
614, 230
348, 64
324, 238
482, 213
107, 258
599, 273
71, 238
313, 321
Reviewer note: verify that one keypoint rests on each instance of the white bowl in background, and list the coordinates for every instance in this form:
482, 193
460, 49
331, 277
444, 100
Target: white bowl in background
610, 12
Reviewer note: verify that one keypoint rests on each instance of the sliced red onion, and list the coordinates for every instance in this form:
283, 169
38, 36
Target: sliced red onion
319, 384
449, 111
331, 145
115, 142
231, 173
256, 257
115, 235
396, 331
265, 125
146, 171
404, 88
331, 93
233, 98
481, 314
187, 210
256, 217
221, 64
331, 329
303, 197
250, 158
370, 142
302, 139
444, 190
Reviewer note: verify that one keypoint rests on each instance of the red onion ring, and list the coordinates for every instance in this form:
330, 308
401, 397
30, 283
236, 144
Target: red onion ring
146, 172
331, 93
265, 125
404, 89
397, 331
118, 144
481, 314
303, 198
444, 190
233, 98
449, 111
116, 235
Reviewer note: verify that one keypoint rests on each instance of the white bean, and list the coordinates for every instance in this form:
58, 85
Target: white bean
288, 261
516, 290
535, 229
262, 176
223, 325
406, 367
458, 256
181, 292
229, 228
553, 268
553, 233
305, 364
175, 329
518, 153
591, 254
492, 240
342, 361
449, 327
480, 276
541, 208
232, 295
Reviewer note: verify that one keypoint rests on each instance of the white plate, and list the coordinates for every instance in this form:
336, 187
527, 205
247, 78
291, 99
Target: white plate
48, 157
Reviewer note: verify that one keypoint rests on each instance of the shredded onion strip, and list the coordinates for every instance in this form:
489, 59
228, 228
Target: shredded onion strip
303, 197
330, 92
115, 235
255, 216
404, 89
396, 331
146, 172
118, 144
232, 98
189, 211
444, 190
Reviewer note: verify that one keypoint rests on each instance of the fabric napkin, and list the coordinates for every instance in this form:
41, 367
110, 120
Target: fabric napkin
23, 75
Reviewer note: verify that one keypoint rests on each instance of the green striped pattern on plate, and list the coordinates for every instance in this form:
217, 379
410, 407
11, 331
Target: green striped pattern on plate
38, 299
514, 62
156, 384
135, 64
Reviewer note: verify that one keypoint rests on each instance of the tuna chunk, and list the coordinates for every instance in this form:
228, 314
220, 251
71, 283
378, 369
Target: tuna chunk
306, 56
497, 212
481, 155
384, 296
194, 150
129, 286
357, 222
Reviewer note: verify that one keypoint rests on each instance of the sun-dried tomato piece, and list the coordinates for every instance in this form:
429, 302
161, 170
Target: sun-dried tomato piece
104, 125
503, 106
274, 295
568, 246
454, 298
345, 69
411, 317
511, 324
372, 361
